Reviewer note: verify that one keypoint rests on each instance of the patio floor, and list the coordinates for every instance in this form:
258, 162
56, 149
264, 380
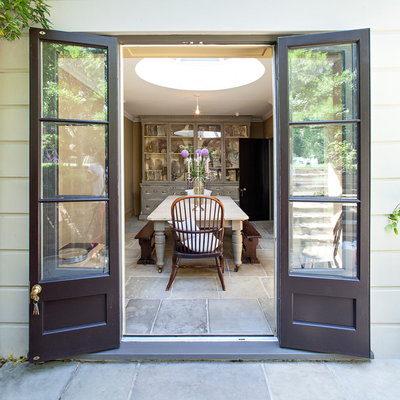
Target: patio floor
196, 304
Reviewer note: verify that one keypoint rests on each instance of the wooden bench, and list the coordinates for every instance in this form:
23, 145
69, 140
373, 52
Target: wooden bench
146, 242
250, 242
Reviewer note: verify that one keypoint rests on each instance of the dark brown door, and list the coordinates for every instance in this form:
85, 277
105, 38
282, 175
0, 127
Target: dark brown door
74, 242
254, 181
323, 177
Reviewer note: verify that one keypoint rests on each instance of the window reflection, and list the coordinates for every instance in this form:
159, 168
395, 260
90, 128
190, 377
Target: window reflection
323, 239
74, 82
74, 160
323, 83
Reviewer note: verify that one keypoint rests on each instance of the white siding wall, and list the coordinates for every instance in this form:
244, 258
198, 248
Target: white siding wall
385, 192
208, 16
14, 196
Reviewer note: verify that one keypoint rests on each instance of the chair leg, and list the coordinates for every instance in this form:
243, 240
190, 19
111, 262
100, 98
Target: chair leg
220, 271
175, 267
221, 259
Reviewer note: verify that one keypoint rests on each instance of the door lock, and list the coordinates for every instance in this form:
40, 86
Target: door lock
36, 289
242, 190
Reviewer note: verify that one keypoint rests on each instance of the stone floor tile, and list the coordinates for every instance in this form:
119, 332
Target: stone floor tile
302, 381
140, 315
146, 288
95, 381
244, 287
244, 270
269, 285
195, 287
268, 307
269, 266
43, 381
142, 270
237, 316
200, 381
371, 380
181, 317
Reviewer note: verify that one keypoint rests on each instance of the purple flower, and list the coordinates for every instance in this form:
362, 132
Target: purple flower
204, 152
198, 152
184, 153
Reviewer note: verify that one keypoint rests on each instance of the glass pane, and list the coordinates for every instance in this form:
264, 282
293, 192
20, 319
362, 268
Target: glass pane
155, 167
236, 131
209, 137
323, 83
74, 160
75, 239
323, 239
232, 160
178, 168
74, 82
156, 130
182, 131
323, 160
155, 145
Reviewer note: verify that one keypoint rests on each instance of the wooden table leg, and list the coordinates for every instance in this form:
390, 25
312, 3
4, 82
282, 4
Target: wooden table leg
159, 239
237, 243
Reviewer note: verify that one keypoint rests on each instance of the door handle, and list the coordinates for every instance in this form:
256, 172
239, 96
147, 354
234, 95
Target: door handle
242, 190
36, 289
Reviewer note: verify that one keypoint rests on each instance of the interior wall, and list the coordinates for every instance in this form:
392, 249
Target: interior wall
128, 167
136, 165
262, 129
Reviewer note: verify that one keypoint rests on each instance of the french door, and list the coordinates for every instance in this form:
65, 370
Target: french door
74, 244
324, 157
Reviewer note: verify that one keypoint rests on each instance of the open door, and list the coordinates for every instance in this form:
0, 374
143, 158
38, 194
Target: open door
254, 184
74, 244
323, 177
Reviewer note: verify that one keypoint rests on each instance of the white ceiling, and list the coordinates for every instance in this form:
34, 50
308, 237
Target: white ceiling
143, 98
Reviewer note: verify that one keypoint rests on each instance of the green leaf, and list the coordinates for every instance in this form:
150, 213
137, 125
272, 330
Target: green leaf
389, 227
396, 231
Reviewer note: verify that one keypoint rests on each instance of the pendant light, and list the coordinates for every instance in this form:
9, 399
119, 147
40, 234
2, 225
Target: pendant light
197, 110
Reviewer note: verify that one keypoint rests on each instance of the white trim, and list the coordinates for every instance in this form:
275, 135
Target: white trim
126, 113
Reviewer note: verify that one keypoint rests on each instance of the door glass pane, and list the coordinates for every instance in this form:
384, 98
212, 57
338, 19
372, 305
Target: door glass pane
323, 83
74, 239
323, 239
209, 137
74, 82
74, 160
323, 160
232, 159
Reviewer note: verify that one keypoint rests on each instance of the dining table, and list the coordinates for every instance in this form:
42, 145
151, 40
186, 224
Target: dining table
233, 218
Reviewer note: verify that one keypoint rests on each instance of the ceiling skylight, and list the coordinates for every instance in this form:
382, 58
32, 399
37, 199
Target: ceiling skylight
200, 73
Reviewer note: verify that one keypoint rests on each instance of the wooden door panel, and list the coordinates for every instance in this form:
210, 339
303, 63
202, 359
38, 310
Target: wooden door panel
74, 235
323, 198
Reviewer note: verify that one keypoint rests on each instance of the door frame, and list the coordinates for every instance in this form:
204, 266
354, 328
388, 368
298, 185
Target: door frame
239, 347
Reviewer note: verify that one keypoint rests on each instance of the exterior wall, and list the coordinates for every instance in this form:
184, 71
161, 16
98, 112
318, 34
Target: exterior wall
14, 197
177, 16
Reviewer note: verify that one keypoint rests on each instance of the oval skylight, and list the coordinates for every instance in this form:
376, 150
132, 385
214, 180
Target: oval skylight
200, 73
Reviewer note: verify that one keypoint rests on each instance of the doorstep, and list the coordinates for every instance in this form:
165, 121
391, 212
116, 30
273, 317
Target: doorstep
192, 348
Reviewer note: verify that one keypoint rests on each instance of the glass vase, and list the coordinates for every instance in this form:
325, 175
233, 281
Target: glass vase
198, 186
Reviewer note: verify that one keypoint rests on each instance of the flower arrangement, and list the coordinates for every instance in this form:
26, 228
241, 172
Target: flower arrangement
198, 166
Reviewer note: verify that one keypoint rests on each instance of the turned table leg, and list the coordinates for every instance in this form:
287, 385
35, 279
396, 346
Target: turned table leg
237, 243
159, 239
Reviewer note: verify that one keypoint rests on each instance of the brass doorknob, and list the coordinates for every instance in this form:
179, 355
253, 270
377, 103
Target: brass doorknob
36, 289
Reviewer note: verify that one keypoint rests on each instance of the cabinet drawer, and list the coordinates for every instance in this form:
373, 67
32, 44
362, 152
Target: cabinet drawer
155, 192
149, 205
231, 191
177, 191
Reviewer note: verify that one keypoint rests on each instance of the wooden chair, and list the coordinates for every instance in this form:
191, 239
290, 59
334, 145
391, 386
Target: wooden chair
198, 231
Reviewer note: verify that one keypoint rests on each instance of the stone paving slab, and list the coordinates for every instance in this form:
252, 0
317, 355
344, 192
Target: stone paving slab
269, 380
26, 381
98, 381
200, 381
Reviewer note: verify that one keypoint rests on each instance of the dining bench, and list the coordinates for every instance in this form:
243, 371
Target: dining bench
146, 242
250, 242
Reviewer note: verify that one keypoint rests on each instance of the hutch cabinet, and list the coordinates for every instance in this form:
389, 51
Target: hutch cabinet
164, 170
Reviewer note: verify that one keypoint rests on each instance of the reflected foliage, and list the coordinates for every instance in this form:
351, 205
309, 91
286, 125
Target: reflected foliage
321, 83
74, 82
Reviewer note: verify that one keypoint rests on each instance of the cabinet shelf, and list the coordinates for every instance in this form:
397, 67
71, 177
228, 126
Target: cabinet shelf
161, 171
